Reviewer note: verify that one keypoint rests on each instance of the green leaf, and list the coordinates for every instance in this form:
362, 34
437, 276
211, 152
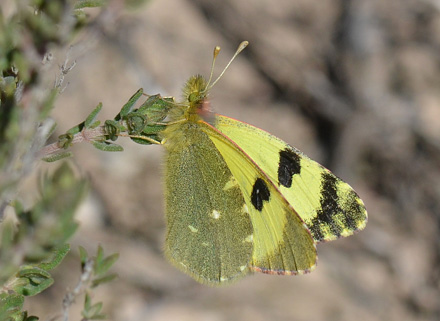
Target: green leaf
12, 301
104, 279
31, 281
23, 65
57, 157
156, 108
91, 118
56, 258
136, 123
99, 254
7, 232
92, 312
104, 264
128, 107
107, 146
81, 4
153, 129
134, 4
83, 257
95, 309
11, 306
87, 301
94, 124
27, 271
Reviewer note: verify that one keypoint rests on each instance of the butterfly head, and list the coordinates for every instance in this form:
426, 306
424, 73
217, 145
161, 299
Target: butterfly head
195, 91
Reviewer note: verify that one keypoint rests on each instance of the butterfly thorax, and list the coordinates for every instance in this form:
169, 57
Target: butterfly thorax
195, 94
185, 116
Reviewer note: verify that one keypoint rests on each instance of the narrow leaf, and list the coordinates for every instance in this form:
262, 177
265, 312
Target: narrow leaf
103, 265
56, 258
104, 279
128, 107
107, 147
81, 4
57, 156
83, 256
91, 118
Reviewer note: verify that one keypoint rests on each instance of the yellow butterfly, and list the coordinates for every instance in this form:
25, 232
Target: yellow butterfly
239, 199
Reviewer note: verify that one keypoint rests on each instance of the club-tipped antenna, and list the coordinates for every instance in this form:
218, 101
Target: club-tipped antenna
216, 52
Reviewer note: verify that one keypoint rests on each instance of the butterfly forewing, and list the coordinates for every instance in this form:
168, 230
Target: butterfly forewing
208, 233
282, 243
329, 207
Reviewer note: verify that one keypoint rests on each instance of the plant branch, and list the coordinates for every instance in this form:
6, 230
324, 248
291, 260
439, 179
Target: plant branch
87, 135
85, 278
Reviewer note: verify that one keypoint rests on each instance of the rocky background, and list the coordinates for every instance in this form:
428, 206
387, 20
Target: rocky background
353, 84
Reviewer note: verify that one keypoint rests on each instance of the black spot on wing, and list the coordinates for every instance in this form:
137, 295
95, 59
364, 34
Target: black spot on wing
316, 231
289, 165
329, 207
329, 197
260, 193
355, 212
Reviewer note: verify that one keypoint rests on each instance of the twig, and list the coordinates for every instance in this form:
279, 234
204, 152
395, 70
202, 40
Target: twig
70, 297
64, 70
87, 135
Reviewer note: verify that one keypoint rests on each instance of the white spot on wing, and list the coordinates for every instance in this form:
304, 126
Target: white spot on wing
215, 214
245, 209
249, 238
193, 229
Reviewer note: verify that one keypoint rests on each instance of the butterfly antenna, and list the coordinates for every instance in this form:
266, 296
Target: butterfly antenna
216, 52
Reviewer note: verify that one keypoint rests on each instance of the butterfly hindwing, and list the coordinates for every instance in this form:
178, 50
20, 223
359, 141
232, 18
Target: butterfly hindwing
329, 207
208, 233
282, 243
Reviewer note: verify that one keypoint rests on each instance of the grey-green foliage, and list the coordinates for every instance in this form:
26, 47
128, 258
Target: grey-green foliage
25, 38
142, 125
99, 275
35, 245
34, 239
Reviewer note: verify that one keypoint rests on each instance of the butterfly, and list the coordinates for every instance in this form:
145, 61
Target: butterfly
240, 200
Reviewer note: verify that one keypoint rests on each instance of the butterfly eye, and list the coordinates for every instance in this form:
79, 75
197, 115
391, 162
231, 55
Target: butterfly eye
193, 97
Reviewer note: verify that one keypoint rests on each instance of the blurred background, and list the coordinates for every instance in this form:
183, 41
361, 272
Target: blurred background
353, 84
